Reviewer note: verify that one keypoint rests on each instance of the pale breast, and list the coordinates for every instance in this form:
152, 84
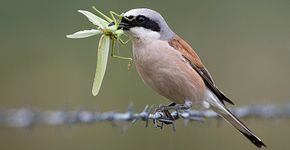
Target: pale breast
165, 70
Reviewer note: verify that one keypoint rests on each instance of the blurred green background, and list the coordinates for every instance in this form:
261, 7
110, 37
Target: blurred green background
245, 44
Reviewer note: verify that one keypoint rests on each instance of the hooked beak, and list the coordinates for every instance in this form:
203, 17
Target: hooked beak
124, 24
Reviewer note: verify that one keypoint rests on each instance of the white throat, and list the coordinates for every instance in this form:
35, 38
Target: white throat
143, 34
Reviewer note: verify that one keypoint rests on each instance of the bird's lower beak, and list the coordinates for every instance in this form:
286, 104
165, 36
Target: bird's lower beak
123, 25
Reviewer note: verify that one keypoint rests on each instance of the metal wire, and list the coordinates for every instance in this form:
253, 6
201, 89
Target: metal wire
25, 117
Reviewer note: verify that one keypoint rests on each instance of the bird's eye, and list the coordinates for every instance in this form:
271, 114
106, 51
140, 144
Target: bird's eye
140, 19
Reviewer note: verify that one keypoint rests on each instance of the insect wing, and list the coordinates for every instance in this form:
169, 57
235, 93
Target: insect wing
103, 52
103, 15
95, 19
84, 34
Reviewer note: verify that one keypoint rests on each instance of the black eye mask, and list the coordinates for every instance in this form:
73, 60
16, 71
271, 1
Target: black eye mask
139, 21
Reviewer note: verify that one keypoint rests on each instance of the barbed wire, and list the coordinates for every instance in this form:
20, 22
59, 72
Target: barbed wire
25, 117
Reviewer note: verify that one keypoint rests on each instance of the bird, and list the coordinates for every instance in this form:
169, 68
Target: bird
171, 67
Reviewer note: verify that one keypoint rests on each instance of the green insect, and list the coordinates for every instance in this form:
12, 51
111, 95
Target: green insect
108, 33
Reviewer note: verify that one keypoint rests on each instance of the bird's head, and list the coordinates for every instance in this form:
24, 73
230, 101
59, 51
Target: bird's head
143, 23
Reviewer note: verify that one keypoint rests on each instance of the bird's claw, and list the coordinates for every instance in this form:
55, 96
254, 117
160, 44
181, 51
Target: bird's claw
167, 118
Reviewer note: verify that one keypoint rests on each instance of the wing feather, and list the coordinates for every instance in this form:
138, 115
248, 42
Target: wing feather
195, 62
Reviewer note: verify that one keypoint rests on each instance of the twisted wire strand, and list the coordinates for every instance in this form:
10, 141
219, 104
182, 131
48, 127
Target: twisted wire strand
25, 117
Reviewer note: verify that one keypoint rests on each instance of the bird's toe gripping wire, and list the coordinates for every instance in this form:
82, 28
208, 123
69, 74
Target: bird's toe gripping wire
167, 118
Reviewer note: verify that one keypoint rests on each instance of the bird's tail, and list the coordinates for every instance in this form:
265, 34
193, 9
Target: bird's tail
233, 120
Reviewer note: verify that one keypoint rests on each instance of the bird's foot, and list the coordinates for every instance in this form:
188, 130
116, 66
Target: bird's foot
168, 118
174, 106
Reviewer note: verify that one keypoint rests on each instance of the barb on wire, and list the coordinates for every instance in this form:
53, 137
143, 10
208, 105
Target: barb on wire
25, 117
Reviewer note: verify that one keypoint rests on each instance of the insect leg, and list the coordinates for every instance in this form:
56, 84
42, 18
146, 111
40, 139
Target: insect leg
103, 15
113, 53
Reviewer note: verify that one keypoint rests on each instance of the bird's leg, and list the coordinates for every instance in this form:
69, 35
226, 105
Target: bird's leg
174, 106
168, 118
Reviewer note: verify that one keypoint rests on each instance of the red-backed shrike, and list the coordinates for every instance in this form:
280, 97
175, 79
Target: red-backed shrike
170, 66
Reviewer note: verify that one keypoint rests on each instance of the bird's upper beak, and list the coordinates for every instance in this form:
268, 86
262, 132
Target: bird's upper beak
124, 24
